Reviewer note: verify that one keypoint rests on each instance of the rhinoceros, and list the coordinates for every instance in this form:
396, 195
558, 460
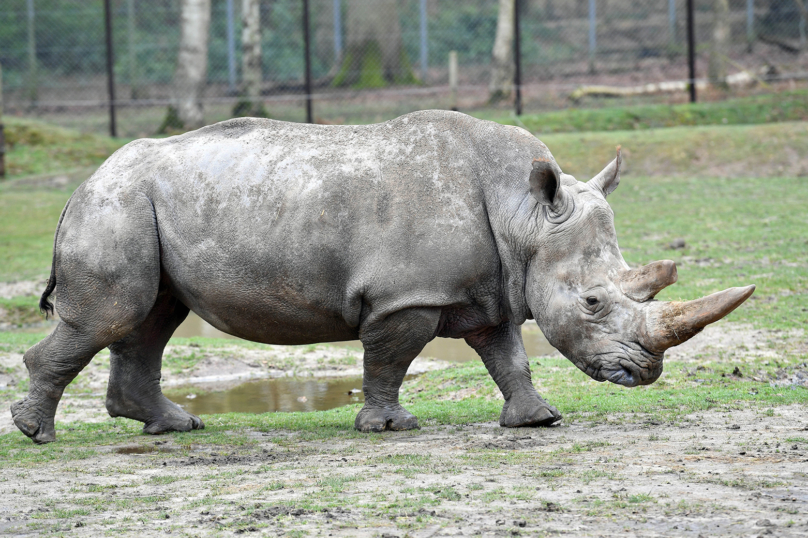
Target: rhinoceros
434, 224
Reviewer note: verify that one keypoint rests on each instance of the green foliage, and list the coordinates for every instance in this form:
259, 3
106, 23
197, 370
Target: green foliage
363, 68
248, 109
172, 122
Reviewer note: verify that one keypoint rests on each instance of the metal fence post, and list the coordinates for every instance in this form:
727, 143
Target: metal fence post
453, 80
672, 20
32, 76
307, 53
593, 38
517, 57
750, 20
231, 49
691, 52
424, 43
110, 68
337, 30
130, 47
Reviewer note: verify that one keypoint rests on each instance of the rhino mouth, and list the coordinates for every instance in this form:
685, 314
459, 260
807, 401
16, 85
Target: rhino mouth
628, 372
621, 376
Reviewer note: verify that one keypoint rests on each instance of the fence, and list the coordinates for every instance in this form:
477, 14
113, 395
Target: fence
370, 60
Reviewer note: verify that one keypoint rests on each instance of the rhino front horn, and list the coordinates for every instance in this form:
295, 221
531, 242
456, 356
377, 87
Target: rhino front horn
670, 324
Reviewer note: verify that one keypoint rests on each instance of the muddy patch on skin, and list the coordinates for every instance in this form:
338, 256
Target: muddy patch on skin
716, 473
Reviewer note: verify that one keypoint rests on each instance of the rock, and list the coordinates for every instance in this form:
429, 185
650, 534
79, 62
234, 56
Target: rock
677, 244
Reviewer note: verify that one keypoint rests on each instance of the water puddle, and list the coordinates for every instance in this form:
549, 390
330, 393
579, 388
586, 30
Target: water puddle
270, 395
447, 349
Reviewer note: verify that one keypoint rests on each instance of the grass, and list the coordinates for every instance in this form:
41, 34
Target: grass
678, 394
767, 108
35, 147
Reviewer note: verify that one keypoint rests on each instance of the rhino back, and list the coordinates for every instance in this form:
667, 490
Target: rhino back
310, 228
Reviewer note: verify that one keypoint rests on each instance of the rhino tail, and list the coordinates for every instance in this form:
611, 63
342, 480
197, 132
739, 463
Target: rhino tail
45, 306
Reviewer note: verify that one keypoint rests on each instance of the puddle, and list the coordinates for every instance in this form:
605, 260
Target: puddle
447, 349
270, 395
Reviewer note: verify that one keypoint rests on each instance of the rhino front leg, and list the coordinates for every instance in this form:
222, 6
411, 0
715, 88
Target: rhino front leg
503, 353
390, 346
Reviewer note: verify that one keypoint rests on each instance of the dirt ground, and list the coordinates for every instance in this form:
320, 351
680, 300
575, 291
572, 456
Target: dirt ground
740, 472
720, 474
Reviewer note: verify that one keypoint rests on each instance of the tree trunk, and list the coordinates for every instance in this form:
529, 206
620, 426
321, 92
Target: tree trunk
374, 55
502, 64
185, 111
251, 77
719, 47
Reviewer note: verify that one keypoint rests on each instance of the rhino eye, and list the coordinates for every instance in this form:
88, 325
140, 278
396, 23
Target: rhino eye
591, 301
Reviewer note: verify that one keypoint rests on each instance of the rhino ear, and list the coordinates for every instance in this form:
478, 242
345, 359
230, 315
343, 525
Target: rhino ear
545, 182
609, 178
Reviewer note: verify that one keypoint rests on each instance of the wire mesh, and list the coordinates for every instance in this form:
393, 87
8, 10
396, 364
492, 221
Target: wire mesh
374, 59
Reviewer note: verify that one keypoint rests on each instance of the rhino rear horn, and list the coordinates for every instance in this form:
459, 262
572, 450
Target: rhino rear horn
609, 178
643, 283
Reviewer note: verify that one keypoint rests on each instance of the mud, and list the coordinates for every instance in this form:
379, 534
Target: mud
729, 472
711, 474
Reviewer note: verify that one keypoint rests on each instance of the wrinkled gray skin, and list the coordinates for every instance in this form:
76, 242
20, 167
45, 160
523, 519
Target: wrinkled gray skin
432, 224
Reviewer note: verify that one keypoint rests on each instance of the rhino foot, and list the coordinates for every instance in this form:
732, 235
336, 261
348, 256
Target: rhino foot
377, 419
30, 421
175, 422
163, 417
528, 412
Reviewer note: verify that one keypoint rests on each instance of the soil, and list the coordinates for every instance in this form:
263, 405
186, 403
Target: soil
714, 474
741, 472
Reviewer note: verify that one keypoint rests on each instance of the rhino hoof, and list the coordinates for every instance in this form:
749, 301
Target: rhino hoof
29, 422
528, 413
174, 422
378, 419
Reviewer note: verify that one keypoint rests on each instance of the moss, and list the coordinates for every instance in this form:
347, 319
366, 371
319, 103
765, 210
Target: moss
172, 122
363, 67
249, 109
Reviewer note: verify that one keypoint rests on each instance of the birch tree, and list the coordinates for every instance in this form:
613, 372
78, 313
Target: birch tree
185, 110
719, 46
502, 63
252, 74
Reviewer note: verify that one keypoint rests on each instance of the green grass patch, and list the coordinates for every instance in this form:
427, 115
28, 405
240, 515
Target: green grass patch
768, 108
35, 148
678, 394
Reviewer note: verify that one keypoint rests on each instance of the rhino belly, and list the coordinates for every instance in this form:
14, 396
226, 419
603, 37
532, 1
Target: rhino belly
275, 313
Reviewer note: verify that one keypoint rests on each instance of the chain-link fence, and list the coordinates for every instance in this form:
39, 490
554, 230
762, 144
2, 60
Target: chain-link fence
371, 60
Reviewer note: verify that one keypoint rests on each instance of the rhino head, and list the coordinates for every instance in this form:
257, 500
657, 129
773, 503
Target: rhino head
595, 310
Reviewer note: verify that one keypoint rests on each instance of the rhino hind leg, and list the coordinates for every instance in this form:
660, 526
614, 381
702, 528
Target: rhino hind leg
107, 271
134, 380
94, 315
52, 364
390, 346
503, 353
